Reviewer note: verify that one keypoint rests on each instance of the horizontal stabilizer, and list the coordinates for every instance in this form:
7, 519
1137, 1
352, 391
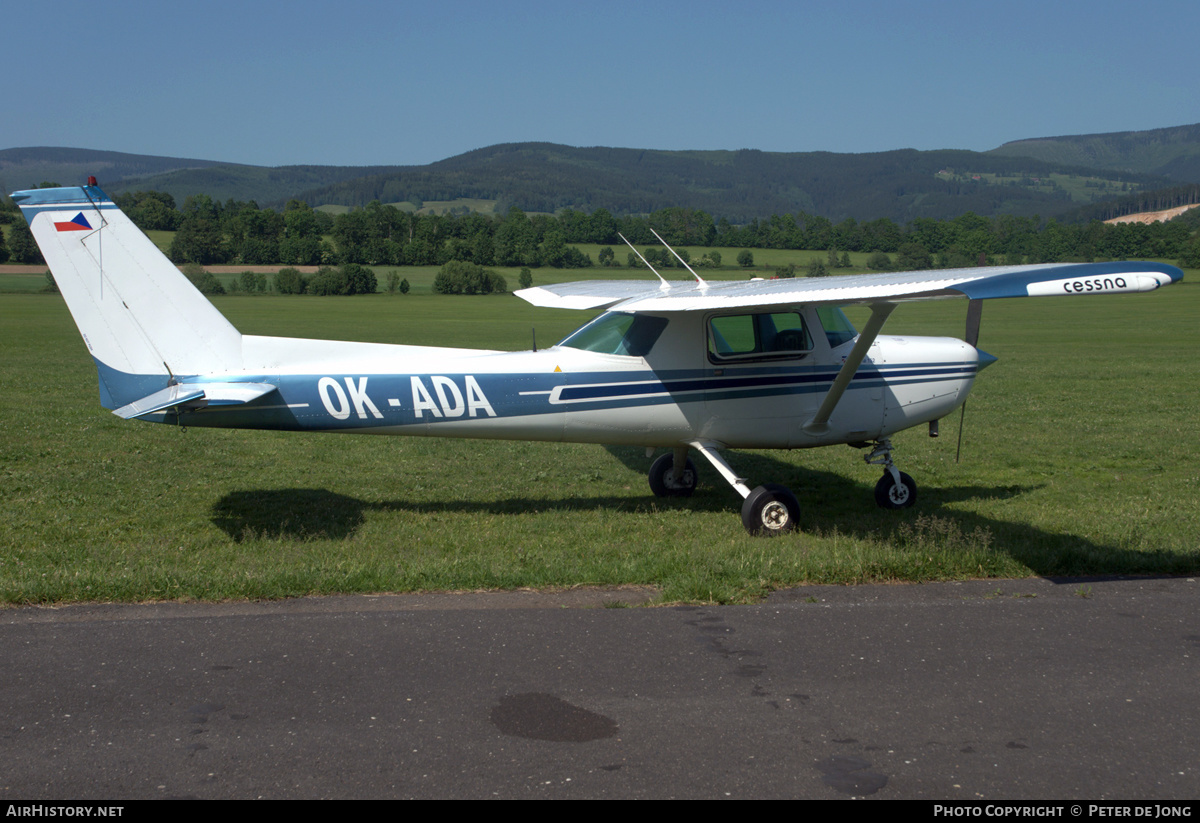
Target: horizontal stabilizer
195, 395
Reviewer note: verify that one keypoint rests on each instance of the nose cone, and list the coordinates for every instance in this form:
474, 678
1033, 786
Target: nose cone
985, 360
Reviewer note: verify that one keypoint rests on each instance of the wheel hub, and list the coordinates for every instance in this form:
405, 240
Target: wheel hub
684, 481
775, 516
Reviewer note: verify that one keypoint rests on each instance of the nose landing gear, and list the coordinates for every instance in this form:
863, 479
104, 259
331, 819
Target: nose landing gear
895, 490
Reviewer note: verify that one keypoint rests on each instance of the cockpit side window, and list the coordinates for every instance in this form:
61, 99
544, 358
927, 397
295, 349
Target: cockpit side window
758, 336
618, 333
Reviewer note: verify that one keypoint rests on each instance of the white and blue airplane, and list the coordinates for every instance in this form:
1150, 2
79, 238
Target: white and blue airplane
759, 364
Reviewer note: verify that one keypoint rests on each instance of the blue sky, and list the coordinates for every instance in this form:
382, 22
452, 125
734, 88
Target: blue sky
357, 83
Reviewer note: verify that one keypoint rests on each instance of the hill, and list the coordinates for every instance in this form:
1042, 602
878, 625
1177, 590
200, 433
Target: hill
1047, 177
262, 184
26, 168
743, 185
1173, 153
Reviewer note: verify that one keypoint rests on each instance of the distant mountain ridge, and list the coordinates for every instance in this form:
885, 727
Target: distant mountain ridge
738, 185
1044, 176
1172, 152
28, 167
25, 168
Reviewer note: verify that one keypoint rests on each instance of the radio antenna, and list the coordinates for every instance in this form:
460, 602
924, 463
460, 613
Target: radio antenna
699, 279
665, 284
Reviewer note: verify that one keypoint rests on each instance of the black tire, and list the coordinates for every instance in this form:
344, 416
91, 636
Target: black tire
890, 496
770, 510
662, 483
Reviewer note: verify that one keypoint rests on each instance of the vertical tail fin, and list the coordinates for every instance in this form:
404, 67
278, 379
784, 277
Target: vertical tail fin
143, 322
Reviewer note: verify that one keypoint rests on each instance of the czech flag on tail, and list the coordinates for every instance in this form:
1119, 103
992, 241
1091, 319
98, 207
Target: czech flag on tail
80, 223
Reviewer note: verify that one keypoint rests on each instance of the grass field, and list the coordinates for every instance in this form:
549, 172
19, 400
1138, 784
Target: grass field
420, 278
1080, 458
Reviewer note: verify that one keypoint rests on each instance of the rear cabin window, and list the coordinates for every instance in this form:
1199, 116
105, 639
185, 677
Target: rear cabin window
753, 336
618, 333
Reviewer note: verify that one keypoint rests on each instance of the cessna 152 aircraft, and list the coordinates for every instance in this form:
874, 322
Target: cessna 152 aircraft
763, 364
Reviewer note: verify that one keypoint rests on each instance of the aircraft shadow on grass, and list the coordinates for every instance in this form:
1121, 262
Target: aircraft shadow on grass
307, 514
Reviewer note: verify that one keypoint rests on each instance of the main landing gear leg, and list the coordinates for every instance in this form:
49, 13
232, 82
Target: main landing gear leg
767, 510
895, 490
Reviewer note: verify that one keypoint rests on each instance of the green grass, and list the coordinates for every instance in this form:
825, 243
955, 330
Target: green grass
420, 278
1080, 457
26, 283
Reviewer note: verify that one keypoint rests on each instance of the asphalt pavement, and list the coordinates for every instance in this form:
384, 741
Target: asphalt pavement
974, 691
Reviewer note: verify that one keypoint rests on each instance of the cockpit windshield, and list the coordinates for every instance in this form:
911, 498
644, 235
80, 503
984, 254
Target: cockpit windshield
838, 328
618, 333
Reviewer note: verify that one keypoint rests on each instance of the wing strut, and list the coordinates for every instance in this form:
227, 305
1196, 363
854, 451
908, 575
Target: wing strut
866, 338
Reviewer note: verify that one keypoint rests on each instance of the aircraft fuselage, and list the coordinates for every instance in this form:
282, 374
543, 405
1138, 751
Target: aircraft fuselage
676, 393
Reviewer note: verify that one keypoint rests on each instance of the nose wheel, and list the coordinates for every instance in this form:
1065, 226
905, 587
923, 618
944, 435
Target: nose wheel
890, 494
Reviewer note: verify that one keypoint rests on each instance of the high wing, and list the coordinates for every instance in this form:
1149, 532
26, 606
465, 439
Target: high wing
1042, 280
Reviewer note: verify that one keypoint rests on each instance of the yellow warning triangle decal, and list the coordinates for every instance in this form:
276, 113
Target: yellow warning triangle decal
556, 368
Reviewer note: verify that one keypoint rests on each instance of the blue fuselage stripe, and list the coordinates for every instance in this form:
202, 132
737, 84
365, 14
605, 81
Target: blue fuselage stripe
337, 401
774, 381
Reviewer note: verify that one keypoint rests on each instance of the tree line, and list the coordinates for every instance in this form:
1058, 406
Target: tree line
378, 234
208, 233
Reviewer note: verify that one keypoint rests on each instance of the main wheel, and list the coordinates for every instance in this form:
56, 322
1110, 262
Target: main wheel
890, 496
770, 510
662, 478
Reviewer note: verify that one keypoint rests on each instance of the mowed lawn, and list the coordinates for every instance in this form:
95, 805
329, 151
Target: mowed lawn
1080, 457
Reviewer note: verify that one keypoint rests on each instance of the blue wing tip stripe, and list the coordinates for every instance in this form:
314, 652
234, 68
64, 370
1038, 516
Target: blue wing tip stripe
1017, 283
